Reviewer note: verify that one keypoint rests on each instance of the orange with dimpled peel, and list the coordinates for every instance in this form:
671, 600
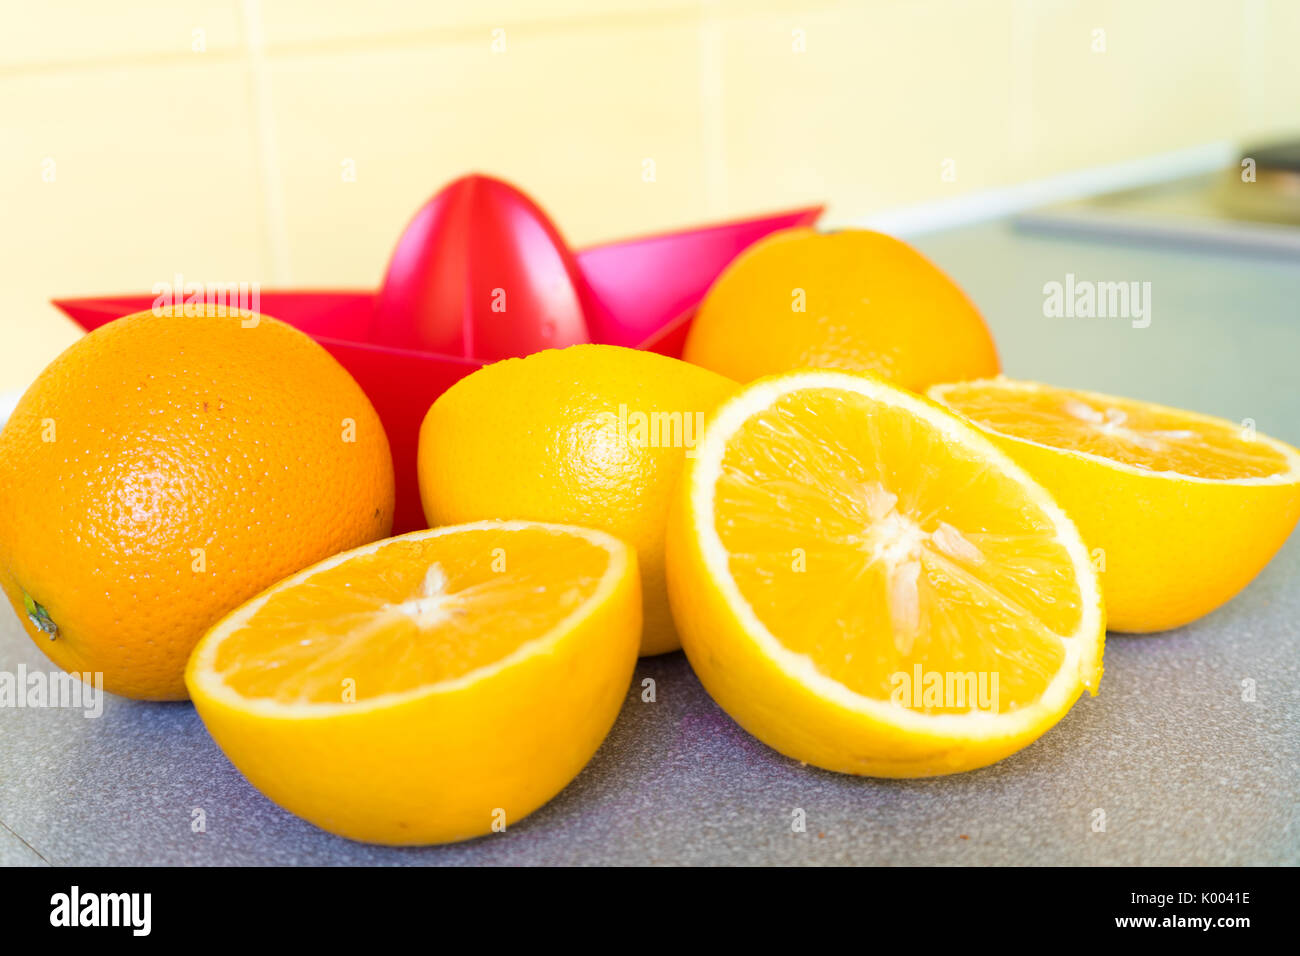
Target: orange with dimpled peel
166, 468
852, 299
592, 435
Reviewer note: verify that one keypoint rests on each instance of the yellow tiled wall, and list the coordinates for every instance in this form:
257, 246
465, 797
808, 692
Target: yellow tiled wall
143, 138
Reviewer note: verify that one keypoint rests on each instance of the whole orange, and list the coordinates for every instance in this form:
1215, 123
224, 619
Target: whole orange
166, 468
853, 299
590, 435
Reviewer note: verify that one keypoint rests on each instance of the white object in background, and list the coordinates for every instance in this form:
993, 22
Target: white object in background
989, 204
7, 402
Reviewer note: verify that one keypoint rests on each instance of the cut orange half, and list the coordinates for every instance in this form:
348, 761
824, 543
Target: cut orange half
1181, 510
867, 584
430, 687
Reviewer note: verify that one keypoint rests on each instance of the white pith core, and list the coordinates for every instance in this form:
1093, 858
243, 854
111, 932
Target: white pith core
432, 606
899, 543
1113, 423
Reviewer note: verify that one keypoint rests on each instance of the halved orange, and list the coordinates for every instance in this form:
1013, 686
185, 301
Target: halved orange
866, 583
1182, 510
429, 687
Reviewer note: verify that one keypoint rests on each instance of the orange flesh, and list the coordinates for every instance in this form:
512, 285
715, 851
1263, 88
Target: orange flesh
1130, 432
865, 539
411, 614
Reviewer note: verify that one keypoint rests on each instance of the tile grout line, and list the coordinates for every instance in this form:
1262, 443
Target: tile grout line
120, 61
276, 233
1022, 81
712, 109
1254, 26
446, 34
401, 39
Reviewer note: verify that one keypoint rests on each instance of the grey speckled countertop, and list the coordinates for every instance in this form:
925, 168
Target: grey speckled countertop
1185, 770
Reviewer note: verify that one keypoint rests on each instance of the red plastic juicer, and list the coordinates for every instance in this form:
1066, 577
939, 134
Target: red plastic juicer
482, 274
